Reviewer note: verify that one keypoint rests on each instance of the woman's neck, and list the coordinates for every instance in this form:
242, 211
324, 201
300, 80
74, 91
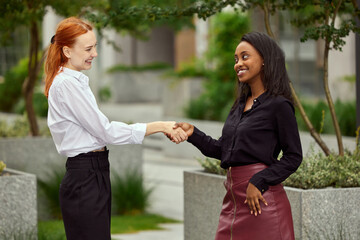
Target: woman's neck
257, 90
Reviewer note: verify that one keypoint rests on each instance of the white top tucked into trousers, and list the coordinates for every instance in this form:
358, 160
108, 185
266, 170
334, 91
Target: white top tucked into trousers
75, 121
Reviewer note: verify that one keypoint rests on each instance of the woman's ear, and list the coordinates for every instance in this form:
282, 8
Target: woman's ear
67, 52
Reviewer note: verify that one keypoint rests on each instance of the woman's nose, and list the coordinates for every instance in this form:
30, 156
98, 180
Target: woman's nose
94, 54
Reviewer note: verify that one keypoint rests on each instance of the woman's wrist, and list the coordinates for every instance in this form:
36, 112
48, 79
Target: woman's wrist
159, 126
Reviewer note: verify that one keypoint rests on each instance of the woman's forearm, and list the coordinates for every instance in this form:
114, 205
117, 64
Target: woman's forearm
177, 135
159, 126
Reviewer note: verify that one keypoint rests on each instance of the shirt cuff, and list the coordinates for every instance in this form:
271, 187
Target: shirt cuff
259, 183
138, 132
195, 137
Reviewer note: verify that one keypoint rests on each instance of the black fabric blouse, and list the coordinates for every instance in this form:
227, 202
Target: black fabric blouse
257, 136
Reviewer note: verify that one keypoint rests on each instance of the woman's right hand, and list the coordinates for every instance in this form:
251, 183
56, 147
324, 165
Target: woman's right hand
173, 132
186, 127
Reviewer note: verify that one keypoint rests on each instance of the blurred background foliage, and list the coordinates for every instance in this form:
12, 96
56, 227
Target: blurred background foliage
220, 84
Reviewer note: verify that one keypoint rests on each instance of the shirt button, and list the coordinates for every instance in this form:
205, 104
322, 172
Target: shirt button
254, 100
262, 190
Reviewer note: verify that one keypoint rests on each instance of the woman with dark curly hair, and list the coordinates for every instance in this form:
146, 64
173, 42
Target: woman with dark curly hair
260, 125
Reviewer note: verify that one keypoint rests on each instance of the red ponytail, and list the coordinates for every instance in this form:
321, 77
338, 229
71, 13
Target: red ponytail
66, 33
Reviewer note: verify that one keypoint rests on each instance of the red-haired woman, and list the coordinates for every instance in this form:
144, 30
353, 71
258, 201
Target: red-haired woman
81, 132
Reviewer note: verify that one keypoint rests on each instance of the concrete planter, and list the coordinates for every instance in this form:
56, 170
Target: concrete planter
318, 213
176, 94
38, 155
203, 196
136, 87
330, 213
18, 209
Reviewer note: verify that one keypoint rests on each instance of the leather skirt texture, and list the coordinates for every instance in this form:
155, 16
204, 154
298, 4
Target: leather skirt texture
236, 223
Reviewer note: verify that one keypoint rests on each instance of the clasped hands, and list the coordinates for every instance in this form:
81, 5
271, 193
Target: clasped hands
180, 132
253, 195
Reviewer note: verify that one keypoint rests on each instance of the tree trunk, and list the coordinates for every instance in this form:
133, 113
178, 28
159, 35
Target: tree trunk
326, 77
303, 114
29, 83
309, 125
329, 99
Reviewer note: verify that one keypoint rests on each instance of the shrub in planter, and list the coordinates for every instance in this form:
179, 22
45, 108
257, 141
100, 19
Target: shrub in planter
320, 171
129, 193
2, 167
49, 193
19, 128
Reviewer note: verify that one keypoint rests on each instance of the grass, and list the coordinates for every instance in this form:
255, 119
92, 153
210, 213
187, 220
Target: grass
54, 229
51, 230
135, 223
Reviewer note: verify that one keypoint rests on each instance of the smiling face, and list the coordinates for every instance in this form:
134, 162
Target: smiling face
248, 63
81, 55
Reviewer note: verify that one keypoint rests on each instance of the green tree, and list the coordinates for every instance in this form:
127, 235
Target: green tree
318, 19
134, 16
29, 14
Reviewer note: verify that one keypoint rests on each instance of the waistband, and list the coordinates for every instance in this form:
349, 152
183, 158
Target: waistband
245, 172
90, 160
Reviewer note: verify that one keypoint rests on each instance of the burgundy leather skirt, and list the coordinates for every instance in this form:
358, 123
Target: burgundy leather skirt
236, 223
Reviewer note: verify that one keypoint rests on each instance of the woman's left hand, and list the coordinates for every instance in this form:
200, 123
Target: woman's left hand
253, 195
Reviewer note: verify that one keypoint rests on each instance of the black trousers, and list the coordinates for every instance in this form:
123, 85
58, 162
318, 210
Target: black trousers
85, 197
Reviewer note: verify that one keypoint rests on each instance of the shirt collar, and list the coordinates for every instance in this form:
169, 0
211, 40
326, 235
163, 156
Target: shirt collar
82, 78
262, 97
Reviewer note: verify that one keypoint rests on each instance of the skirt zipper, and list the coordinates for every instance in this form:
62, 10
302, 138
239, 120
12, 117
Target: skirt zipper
231, 185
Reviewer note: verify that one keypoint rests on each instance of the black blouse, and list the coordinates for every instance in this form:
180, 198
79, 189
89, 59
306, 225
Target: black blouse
257, 136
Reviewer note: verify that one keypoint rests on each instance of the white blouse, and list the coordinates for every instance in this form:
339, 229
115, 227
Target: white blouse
75, 121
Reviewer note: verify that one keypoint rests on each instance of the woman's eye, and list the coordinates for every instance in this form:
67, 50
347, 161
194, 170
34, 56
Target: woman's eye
245, 57
88, 50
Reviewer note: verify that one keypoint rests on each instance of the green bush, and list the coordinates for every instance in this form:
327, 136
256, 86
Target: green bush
19, 128
104, 94
2, 167
10, 89
316, 170
320, 171
193, 68
40, 104
11, 98
345, 112
129, 193
49, 189
139, 68
220, 87
211, 165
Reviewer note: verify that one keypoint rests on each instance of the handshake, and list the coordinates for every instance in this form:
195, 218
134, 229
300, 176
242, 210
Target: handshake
179, 132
